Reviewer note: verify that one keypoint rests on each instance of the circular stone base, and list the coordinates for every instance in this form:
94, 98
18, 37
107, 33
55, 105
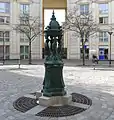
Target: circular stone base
24, 104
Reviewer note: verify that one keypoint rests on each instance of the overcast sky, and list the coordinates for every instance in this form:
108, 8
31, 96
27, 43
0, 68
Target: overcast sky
59, 14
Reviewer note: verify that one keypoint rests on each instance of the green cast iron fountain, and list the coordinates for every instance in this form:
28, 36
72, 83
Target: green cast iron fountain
53, 84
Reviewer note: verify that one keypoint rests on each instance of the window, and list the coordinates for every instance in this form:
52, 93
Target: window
5, 20
6, 35
24, 50
24, 8
103, 37
23, 37
6, 51
103, 20
84, 9
4, 7
103, 8
24, 20
83, 21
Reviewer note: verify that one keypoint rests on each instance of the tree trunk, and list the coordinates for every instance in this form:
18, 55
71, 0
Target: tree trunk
83, 52
30, 61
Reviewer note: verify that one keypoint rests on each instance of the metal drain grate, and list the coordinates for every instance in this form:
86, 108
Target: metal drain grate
79, 98
24, 104
60, 111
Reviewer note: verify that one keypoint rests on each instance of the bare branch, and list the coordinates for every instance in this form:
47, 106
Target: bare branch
29, 25
82, 24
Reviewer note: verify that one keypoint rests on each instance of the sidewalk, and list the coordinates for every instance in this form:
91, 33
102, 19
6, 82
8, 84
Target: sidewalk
67, 62
97, 85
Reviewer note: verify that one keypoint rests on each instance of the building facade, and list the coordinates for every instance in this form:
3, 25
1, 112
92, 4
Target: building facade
14, 45
103, 15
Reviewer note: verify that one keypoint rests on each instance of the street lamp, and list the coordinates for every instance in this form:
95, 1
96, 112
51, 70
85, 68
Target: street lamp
110, 33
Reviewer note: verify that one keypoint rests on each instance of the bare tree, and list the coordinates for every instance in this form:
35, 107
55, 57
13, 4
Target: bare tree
82, 24
31, 27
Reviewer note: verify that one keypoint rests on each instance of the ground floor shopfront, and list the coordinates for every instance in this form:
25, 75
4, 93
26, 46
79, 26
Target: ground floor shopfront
103, 53
16, 48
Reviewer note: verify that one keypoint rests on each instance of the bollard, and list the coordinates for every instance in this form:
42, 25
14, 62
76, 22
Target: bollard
19, 63
94, 66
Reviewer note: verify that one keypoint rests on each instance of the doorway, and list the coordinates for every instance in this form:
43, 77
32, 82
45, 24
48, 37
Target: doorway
59, 7
60, 17
103, 53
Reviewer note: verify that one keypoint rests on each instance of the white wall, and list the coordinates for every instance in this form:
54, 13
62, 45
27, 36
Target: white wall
14, 37
36, 10
73, 49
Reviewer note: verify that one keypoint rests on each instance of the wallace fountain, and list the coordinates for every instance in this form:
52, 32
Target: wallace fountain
53, 96
53, 85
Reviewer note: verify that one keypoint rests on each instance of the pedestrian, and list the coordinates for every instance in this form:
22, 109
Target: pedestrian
94, 60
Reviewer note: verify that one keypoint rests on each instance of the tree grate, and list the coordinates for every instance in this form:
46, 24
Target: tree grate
60, 111
23, 104
79, 98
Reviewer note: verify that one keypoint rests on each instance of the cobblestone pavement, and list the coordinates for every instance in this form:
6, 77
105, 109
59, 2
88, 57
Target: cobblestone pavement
97, 84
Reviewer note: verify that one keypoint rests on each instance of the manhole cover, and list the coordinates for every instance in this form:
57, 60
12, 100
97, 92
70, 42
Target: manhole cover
60, 111
24, 104
79, 98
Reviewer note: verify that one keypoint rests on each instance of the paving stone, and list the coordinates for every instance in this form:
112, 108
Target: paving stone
104, 105
81, 118
98, 85
53, 118
2, 118
2, 112
63, 118
44, 118
36, 110
10, 118
112, 116
110, 119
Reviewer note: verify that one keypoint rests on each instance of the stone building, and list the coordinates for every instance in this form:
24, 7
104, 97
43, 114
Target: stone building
16, 45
